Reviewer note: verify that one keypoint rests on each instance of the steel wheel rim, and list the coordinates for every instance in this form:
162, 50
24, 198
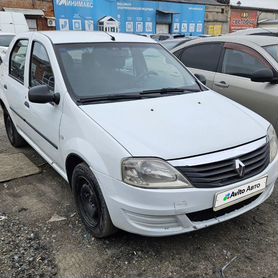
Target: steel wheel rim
88, 202
10, 130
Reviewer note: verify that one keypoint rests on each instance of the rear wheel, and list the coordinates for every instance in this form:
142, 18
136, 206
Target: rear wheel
90, 202
14, 137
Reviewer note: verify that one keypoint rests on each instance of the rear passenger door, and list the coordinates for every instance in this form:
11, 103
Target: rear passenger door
233, 81
202, 58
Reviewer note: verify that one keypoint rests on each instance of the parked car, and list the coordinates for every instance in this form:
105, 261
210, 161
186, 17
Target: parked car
143, 144
5, 40
256, 32
166, 36
145, 35
172, 43
242, 68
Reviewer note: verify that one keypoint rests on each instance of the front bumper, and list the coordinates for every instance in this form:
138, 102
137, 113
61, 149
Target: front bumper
158, 212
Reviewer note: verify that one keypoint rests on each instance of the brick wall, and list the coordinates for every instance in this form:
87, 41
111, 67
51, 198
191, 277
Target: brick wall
45, 5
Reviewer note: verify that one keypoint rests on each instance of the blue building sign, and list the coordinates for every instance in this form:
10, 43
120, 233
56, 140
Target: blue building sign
129, 16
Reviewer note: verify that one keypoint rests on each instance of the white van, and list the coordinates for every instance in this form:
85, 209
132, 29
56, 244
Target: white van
11, 22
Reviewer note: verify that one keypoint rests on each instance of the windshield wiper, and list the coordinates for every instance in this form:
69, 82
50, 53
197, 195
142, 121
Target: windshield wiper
109, 98
169, 90
137, 95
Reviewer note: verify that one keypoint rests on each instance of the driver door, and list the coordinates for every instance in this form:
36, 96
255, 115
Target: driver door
44, 119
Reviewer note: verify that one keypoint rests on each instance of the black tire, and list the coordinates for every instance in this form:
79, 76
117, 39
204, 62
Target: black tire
90, 203
14, 137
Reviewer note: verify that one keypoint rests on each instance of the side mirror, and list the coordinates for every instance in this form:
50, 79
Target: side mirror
201, 78
263, 75
1, 60
41, 94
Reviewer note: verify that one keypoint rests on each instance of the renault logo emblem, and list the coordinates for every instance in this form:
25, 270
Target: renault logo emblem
240, 167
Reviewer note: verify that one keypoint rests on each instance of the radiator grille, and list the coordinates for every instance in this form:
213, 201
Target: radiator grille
224, 172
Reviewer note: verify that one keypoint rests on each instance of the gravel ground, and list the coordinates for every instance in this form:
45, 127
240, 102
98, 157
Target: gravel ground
24, 253
31, 246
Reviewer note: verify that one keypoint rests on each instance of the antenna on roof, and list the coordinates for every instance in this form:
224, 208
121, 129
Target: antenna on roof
112, 37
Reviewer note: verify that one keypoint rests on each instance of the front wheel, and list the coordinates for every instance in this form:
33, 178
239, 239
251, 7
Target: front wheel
14, 137
90, 202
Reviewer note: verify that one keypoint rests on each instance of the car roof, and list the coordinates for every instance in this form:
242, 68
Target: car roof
178, 39
251, 31
5, 34
259, 40
59, 37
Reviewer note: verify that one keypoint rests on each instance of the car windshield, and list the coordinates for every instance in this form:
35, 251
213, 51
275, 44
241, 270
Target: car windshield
5, 40
272, 50
101, 69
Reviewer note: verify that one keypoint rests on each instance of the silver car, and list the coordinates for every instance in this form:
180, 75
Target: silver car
257, 32
243, 68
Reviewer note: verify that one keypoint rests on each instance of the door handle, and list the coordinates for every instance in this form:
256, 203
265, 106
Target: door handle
5, 86
222, 84
26, 103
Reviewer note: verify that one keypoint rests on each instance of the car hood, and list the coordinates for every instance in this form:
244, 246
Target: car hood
178, 126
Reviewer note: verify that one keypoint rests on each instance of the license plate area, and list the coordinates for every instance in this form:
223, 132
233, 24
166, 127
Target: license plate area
235, 195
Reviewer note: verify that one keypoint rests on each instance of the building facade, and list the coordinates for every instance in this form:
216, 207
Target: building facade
38, 13
253, 13
189, 17
217, 19
131, 16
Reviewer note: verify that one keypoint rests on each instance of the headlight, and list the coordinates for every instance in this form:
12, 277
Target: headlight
273, 143
152, 173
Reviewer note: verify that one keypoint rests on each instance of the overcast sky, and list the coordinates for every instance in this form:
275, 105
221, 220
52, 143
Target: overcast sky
268, 4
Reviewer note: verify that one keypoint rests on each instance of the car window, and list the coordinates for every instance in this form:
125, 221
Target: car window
271, 34
202, 56
97, 69
240, 63
40, 72
17, 60
163, 37
5, 40
272, 50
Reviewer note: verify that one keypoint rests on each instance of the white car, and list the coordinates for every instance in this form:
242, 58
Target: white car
144, 145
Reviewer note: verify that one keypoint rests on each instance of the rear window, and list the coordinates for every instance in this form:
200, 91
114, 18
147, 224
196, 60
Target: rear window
272, 50
202, 56
5, 40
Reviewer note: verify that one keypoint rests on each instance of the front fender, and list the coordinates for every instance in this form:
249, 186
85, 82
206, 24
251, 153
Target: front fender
82, 136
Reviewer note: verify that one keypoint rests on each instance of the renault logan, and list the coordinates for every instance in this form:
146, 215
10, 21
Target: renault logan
143, 144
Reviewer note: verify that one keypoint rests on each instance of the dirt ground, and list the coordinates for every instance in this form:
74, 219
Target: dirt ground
30, 246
